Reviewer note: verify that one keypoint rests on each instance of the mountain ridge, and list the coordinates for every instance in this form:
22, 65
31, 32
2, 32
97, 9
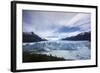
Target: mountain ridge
31, 37
81, 36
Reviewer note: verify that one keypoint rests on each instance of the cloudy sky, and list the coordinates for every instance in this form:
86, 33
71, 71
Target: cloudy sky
55, 25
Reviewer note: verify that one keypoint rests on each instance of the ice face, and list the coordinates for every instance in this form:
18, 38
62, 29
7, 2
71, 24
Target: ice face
73, 50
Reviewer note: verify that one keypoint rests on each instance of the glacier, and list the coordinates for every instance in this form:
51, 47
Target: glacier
69, 50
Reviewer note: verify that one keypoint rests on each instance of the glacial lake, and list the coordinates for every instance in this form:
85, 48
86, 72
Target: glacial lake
69, 50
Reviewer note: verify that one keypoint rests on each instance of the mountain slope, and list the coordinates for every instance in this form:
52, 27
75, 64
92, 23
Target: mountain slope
81, 36
31, 37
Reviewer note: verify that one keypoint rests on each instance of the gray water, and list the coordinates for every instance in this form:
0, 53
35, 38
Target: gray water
72, 50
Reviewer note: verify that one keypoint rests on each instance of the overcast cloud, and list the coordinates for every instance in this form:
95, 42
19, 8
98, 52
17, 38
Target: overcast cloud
55, 25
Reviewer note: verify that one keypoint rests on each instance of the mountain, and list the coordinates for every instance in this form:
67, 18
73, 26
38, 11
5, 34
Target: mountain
81, 36
31, 37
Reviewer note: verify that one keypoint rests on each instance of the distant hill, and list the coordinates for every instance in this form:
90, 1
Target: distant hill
31, 37
81, 36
